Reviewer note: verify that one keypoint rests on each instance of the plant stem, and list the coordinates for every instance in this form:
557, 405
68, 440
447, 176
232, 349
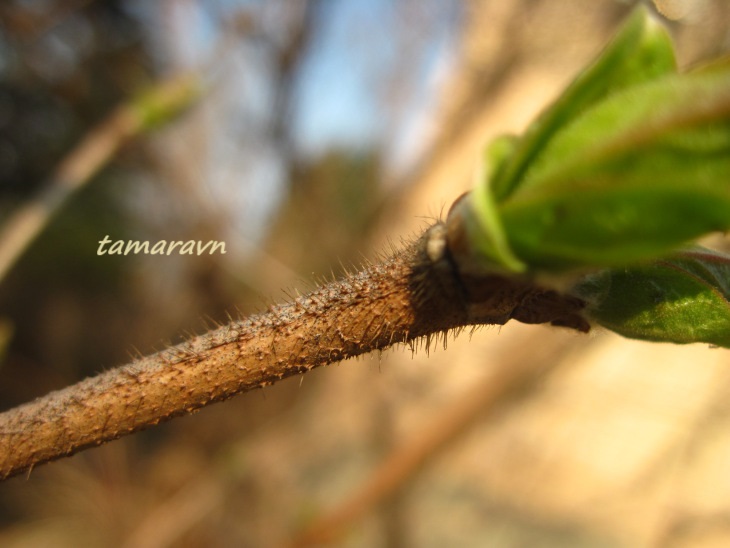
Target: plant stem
412, 294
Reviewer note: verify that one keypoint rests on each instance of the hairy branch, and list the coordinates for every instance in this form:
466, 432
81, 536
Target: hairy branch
415, 293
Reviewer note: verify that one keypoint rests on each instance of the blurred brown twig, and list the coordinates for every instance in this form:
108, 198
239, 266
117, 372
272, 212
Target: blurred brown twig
515, 377
157, 104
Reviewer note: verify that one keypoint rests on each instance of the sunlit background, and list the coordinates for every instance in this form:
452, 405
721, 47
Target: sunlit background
325, 132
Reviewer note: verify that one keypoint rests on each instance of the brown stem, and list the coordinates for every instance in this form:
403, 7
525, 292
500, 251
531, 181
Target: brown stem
414, 293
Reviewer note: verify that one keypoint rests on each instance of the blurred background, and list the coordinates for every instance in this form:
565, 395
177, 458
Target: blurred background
325, 132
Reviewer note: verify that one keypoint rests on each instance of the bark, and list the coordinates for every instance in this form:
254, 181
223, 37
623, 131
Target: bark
415, 293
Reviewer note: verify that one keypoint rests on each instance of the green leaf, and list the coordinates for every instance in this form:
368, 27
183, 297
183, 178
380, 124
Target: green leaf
638, 174
682, 299
157, 105
481, 218
629, 164
640, 52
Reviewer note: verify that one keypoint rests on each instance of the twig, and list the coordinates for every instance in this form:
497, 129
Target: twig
165, 524
415, 293
96, 149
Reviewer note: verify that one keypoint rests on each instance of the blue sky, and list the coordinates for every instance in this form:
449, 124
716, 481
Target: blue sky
362, 52
336, 103
339, 100
338, 96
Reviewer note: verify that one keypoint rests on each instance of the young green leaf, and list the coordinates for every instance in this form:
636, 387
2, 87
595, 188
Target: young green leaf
638, 174
640, 52
479, 216
682, 299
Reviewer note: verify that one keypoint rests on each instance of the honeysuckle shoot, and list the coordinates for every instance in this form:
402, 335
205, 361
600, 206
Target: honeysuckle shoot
629, 164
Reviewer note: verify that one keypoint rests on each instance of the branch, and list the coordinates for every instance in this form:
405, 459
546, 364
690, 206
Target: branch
163, 101
412, 294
